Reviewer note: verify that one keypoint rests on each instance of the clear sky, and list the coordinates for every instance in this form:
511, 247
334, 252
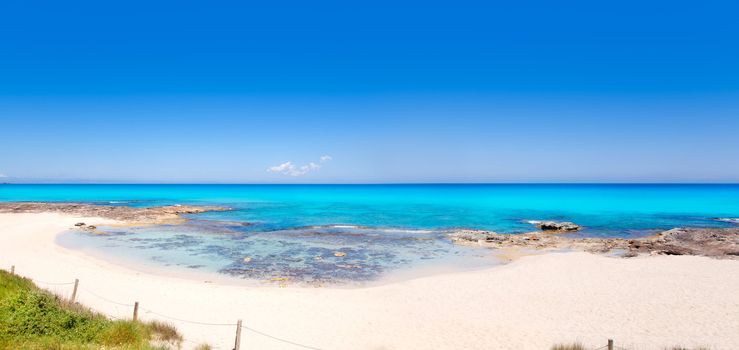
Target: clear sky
369, 91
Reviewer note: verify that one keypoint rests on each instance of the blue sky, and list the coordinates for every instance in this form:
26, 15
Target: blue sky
526, 91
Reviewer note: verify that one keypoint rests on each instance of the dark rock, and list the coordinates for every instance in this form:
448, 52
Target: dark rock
558, 226
79, 224
473, 236
494, 238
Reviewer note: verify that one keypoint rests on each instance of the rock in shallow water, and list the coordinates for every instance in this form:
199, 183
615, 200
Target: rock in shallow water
558, 226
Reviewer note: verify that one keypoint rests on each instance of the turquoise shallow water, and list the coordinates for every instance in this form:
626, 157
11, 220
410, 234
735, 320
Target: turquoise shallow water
603, 209
294, 230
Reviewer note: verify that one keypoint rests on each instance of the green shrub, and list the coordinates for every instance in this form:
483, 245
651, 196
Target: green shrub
31, 318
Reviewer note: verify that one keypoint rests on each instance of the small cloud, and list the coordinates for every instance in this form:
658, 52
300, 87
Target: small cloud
281, 168
288, 168
3, 175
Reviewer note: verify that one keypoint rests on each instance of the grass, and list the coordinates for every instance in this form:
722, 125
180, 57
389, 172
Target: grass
573, 346
31, 318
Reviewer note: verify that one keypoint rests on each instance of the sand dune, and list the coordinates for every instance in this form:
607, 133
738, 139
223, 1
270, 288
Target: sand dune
531, 303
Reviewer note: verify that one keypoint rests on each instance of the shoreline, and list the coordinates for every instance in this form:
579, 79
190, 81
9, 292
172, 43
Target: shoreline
492, 248
714, 242
530, 303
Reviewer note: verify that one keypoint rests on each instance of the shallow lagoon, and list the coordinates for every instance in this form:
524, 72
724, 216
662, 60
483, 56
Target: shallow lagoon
312, 255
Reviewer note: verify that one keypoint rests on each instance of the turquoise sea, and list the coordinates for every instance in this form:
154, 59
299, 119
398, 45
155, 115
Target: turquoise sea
295, 231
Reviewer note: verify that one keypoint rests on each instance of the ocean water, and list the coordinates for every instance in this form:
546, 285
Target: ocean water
295, 232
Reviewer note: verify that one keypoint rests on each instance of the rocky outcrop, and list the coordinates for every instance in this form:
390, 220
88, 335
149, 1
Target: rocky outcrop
151, 215
557, 226
718, 243
690, 241
471, 235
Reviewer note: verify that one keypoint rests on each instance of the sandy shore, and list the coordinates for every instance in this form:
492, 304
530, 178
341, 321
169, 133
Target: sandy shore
531, 303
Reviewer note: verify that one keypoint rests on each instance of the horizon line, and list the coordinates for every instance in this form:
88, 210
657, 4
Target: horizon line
366, 183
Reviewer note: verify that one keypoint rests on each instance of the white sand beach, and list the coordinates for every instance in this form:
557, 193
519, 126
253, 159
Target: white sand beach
531, 303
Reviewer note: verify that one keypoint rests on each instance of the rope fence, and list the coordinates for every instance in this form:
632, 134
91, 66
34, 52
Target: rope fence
51, 283
238, 324
279, 339
106, 299
188, 321
136, 308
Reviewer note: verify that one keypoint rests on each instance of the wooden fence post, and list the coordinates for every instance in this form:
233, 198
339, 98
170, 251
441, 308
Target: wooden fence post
74, 291
135, 311
610, 344
237, 345
12, 270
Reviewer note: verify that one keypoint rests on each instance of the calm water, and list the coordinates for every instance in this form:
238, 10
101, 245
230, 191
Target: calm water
295, 231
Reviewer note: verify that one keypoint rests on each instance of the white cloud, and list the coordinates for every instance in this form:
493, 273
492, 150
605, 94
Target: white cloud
3, 175
282, 167
288, 168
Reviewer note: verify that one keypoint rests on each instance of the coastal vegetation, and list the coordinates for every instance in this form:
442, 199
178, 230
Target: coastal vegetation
573, 346
31, 318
